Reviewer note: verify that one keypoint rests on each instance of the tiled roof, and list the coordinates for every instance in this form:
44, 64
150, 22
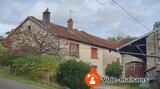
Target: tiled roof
81, 36
121, 42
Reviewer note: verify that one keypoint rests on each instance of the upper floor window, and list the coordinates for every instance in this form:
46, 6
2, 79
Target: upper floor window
74, 49
29, 28
94, 53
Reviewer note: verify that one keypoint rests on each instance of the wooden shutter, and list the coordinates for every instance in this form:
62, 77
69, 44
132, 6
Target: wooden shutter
94, 53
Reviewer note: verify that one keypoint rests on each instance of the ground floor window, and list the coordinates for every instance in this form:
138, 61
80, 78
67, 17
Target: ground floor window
94, 68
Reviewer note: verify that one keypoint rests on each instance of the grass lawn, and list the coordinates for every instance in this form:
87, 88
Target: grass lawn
8, 75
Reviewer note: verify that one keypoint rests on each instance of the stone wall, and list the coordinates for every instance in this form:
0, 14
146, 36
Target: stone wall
31, 37
153, 48
110, 56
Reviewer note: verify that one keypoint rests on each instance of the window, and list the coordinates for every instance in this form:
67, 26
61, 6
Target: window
93, 68
74, 50
29, 28
94, 53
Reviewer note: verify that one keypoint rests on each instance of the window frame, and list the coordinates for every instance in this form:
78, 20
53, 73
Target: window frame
71, 46
92, 55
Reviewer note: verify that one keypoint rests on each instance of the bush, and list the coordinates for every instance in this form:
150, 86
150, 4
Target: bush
39, 67
71, 73
114, 70
7, 55
22, 65
2, 55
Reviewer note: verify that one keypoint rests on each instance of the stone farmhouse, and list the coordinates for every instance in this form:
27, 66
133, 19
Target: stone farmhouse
147, 50
133, 54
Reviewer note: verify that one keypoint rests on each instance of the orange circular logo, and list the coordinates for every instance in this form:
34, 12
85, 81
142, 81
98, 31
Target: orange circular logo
92, 79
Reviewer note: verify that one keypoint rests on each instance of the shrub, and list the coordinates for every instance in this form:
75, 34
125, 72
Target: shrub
38, 67
5, 59
114, 70
71, 73
22, 65
7, 55
44, 68
2, 53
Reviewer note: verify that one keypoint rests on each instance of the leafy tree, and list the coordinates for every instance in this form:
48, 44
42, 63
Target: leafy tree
114, 70
156, 26
71, 73
2, 50
2, 53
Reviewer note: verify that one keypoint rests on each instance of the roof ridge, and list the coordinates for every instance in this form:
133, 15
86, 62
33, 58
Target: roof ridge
76, 30
95, 36
76, 35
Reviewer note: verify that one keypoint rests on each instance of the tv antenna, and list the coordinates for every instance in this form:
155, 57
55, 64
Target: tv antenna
71, 12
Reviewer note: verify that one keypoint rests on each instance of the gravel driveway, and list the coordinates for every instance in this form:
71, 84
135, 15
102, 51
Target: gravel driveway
11, 84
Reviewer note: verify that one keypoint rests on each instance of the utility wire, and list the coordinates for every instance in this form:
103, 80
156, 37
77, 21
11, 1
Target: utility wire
146, 2
131, 15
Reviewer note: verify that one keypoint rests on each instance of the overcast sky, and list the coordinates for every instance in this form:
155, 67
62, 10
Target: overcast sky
98, 17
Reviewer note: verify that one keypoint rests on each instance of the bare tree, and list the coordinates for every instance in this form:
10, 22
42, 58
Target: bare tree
119, 35
39, 42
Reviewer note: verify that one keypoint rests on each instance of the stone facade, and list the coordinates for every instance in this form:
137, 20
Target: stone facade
153, 48
110, 56
31, 36
36, 29
104, 56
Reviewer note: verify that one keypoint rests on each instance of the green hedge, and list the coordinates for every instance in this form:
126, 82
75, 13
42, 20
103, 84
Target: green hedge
71, 73
114, 70
39, 67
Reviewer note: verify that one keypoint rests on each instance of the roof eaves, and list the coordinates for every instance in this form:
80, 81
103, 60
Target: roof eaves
42, 25
12, 32
92, 44
141, 37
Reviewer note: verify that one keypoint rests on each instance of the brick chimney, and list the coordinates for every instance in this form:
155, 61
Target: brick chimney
46, 16
70, 24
